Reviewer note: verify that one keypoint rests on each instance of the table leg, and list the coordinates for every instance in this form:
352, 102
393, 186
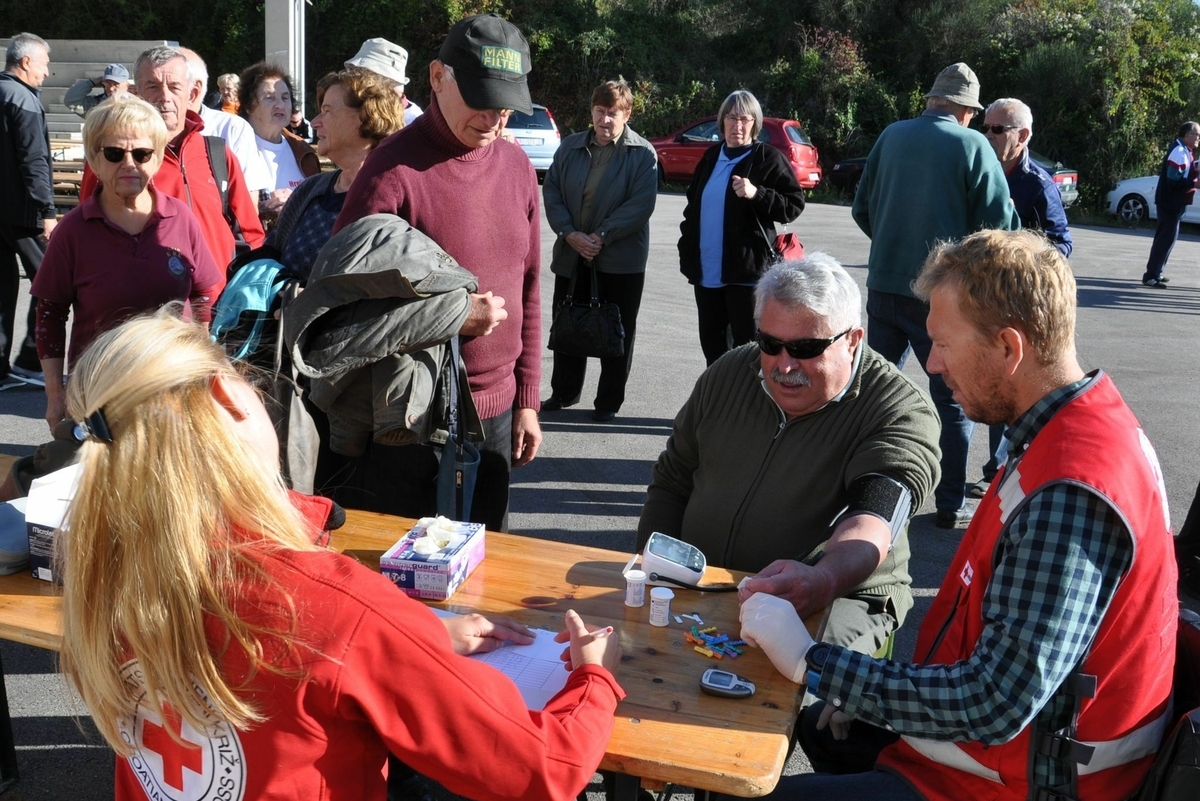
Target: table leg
8, 748
620, 787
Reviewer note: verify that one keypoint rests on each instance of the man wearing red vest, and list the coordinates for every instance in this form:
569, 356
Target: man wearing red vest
1045, 662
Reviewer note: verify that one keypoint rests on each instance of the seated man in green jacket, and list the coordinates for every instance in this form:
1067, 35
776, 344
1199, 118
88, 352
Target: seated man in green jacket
801, 458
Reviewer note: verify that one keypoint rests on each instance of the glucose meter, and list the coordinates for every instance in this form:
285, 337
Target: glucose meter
725, 684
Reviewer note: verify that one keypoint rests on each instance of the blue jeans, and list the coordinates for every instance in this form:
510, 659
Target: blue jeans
874, 785
896, 324
997, 451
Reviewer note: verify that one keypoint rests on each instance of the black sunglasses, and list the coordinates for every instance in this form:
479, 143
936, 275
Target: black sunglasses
997, 129
797, 348
116, 155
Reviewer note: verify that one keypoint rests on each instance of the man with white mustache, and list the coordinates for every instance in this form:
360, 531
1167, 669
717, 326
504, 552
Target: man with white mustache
801, 457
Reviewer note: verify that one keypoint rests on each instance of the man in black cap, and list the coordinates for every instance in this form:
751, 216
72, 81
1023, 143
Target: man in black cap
451, 176
928, 179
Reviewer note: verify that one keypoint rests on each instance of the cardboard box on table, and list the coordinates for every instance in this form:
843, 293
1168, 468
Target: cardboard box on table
433, 577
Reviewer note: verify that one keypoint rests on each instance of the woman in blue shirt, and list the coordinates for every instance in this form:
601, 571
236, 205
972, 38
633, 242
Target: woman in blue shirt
741, 188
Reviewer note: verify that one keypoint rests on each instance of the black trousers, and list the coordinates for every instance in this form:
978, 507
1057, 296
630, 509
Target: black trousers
403, 480
625, 290
725, 315
27, 243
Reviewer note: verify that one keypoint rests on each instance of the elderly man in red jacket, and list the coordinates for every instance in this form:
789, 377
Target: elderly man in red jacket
162, 79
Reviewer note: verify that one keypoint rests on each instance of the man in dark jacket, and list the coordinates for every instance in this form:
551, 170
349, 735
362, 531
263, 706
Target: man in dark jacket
27, 213
1176, 188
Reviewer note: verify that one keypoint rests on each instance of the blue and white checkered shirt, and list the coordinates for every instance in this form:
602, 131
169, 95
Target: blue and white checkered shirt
1062, 557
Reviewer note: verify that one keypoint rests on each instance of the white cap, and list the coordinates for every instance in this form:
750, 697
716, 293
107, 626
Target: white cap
383, 58
662, 593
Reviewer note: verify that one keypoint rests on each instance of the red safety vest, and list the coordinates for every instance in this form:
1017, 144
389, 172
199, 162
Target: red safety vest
1095, 442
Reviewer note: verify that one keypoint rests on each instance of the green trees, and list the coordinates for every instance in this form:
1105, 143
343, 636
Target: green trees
1109, 81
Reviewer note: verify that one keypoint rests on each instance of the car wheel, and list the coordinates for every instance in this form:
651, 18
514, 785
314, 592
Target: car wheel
662, 176
1132, 210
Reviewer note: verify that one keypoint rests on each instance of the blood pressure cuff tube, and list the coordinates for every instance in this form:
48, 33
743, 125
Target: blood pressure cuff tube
882, 497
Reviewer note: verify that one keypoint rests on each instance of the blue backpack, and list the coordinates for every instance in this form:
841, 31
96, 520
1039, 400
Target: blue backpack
245, 313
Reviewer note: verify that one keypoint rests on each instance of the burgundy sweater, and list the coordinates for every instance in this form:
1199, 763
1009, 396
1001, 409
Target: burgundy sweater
481, 206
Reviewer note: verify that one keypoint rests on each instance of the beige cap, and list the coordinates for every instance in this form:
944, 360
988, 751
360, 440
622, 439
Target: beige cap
958, 84
382, 57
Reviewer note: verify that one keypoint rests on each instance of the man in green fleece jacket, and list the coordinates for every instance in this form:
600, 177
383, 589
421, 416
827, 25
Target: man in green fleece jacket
802, 457
928, 179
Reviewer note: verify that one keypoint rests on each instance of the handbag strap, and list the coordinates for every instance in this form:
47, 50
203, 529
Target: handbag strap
454, 426
769, 240
595, 284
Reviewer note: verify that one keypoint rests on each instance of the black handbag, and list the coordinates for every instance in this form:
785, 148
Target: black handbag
459, 459
591, 329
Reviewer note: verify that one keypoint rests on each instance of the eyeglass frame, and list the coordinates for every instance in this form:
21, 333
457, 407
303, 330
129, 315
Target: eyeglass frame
136, 152
767, 343
986, 129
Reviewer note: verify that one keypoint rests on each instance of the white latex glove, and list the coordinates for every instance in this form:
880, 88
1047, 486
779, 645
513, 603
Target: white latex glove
771, 623
837, 721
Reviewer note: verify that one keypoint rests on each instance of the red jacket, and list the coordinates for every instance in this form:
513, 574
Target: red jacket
199, 191
1094, 442
380, 675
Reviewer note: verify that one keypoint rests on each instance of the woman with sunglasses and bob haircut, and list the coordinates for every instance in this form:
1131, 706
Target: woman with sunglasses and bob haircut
218, 645
126, 249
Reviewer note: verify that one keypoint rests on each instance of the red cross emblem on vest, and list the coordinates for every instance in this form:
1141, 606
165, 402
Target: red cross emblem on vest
175, 755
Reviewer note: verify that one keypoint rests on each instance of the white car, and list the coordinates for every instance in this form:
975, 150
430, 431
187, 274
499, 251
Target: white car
1133, 201
538, 136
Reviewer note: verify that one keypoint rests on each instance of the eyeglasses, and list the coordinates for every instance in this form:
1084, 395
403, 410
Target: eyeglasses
997, 129
742, 120
116, 155
797, 348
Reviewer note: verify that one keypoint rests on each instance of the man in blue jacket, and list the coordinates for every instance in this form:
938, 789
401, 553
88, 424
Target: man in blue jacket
928, 179
1176, 188
1008, 126
27, 213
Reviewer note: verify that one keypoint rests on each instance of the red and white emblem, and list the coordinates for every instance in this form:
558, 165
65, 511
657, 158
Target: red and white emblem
967, 574
189, 766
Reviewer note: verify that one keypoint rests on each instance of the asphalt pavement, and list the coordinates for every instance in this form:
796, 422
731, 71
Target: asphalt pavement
588, 481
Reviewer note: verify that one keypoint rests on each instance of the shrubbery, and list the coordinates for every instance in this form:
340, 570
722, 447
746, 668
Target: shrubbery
1109, 81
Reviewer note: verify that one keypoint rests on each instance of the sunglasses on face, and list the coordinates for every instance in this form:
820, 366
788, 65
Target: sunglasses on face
115, 155
997, 129
797, 348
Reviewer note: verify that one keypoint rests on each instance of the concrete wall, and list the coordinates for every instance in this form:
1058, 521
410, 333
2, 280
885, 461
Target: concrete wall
72, 59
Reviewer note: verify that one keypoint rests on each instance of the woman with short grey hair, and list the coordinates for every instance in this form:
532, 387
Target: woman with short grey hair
741, 188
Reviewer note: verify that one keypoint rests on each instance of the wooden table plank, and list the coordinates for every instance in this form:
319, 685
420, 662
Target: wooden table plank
666, 729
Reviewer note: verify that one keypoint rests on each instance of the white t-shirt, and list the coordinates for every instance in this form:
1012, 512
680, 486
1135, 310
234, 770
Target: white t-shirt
281, 164
238, 134
411, 112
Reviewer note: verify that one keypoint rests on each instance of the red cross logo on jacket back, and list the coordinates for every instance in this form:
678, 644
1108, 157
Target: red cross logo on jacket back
176, 754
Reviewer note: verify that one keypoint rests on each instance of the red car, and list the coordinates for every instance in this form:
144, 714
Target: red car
679, 153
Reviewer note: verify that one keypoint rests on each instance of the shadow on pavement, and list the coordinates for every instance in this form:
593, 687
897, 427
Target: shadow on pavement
1099, 293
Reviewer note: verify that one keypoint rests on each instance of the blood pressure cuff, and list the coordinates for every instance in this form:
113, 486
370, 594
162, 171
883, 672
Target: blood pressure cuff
883, 497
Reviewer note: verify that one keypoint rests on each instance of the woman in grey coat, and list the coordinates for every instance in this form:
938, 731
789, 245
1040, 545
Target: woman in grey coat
599, 195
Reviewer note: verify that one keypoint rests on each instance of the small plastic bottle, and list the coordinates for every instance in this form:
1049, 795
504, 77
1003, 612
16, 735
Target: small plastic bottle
635, 588
660, 606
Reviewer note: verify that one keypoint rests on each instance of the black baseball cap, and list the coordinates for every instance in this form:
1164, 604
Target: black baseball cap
491, 60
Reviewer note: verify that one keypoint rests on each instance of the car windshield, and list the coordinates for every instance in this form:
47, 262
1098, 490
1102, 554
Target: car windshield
539, 119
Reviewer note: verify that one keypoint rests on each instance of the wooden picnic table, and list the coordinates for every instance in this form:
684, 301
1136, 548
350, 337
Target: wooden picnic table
666, 730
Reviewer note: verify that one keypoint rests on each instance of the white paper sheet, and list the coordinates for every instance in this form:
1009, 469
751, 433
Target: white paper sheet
535, 669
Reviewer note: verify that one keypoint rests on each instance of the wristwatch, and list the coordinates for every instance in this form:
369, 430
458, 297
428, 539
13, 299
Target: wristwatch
817, 655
